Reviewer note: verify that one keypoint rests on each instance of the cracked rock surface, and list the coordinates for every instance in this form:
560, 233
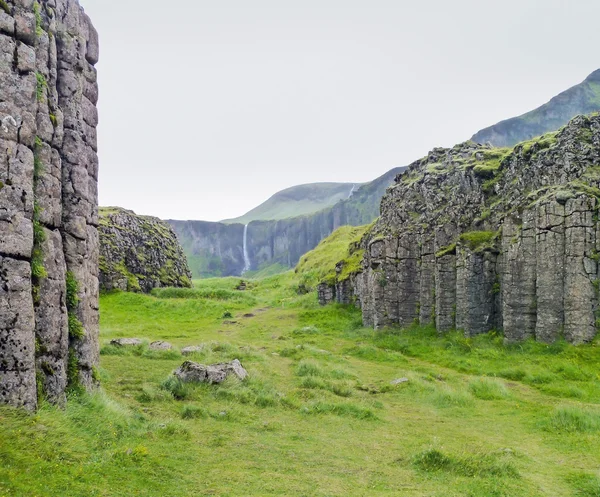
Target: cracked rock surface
48, 186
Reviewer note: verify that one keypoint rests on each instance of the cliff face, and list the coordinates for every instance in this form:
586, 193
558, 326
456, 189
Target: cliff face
48, 200
480, 239
583, 98
217, 249
139, 253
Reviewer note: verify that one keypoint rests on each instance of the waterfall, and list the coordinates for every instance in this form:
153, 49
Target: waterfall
246, 256
351, 191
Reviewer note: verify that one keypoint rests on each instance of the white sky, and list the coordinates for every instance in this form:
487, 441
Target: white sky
207, 108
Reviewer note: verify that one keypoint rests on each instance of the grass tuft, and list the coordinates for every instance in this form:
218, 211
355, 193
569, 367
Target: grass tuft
573, 420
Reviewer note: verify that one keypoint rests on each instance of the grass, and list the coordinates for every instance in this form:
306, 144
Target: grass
319, 415
316, 265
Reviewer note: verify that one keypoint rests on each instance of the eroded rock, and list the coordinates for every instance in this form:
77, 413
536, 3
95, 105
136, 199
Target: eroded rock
192, 372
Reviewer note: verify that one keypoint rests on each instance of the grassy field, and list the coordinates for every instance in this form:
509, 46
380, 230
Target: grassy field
319, 415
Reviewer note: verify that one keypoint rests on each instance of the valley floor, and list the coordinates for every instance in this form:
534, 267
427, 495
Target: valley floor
319, 415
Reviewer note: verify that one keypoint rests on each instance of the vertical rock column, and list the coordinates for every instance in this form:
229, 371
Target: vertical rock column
550, 270
519, 304
77, 52
17, 139
51, 327
409, 279
427, 284
581, 270
475, 291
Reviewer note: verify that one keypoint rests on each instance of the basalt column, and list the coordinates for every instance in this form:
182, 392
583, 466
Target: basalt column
48, 201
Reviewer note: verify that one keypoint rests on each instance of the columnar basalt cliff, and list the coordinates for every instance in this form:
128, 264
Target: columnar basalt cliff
48, 200
476, 238
139, 253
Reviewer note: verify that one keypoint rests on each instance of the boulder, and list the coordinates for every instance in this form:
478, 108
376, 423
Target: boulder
192, 372
160, 345
126, 342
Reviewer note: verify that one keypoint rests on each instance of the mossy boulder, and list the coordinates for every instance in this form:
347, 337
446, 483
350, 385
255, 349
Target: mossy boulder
139, 253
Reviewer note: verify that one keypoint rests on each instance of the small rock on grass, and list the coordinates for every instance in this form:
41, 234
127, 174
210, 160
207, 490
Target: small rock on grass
160, 345
126, 342
399, 381
192, 349
192, 372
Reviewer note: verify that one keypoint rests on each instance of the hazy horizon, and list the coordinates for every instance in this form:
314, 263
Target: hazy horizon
207, 112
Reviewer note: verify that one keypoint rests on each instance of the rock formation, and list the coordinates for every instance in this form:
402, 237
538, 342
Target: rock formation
139, 253
48, 200
216, 249
479, 239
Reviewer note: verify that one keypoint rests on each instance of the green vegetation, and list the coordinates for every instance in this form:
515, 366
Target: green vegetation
478, 240
42, 86
475, 417
4, 6
340, 247
448, 250
297, 201
38, 270
76, 329
37, 10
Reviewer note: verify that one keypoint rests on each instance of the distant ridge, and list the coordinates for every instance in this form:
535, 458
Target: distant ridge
583, 98
296, 201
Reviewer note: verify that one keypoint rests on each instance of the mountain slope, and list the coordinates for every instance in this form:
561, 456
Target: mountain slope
216, 249
297, 201
583, 98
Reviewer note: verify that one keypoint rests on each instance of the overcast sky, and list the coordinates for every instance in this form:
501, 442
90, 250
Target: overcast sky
208, 107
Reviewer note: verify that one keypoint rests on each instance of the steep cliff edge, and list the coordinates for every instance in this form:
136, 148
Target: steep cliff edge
217, 249
139, 253
48, 200
479, 239
583, 98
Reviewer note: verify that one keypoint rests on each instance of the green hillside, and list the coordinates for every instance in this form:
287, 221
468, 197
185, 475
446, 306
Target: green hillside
297, 201
583, 98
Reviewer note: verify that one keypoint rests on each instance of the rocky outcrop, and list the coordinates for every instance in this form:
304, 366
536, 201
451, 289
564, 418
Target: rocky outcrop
139, 253
477, 239
583, 98
216, 249
48, 200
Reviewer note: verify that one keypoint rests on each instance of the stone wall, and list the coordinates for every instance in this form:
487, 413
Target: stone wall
139, 253
477, 239
48, 200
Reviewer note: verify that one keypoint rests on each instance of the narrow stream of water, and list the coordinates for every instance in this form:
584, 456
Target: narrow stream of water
246, 256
